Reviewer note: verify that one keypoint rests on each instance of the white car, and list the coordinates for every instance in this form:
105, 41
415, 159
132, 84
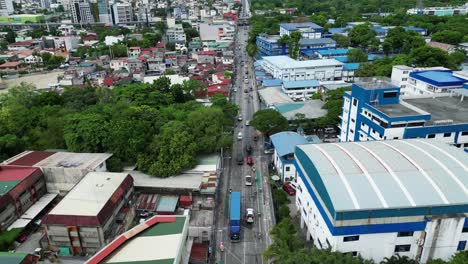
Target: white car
248, 180
247, 123
249, 216
239, 136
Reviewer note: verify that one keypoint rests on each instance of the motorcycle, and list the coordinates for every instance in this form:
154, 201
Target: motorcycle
221, 247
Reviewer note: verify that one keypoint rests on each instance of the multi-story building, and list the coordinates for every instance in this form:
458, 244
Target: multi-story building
373, 110
427, 81
308, 30
20, 188
300, 90
91, 214
440, 11
283, 155
380, 198
176, 34
6, 7
104, 11
81, 12
122, 13
267, 45
288, 69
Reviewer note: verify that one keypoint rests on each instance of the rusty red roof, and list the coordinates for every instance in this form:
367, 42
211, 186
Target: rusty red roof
31, 158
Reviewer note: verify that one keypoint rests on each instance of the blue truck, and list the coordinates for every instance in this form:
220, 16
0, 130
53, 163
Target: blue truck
235, 217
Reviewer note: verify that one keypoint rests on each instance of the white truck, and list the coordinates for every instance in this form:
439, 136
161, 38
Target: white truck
250, 215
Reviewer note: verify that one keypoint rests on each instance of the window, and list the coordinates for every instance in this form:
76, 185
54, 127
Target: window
328, 242
402, 248
354, 102
352, 253
405, 234
465, 230
404, 79
352, 120
405, 72
431, 136
447, 134
461, 245
351, 131
320, 243
288, 168
390, 94
395, 137
350, 238
464, 133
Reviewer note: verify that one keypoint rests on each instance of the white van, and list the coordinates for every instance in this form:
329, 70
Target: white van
248, 180
239, 136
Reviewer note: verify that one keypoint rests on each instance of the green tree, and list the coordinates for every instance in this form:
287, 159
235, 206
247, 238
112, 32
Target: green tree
362, 36
357, 55
269, 121
426, 56
341, 40
294, 44
85, 132
448, 36
191, 33
397, 259
119, 50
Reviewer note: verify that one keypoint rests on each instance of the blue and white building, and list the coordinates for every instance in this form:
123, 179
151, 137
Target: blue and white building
301, 90
440, 11
374, 110
267, 45
283, 155
308, 30
380, 198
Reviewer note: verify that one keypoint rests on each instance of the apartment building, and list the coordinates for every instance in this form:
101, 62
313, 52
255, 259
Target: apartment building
81, 12
176, 34
122, 13
6, 7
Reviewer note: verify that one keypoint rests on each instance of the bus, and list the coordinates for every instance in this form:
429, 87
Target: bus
235, 217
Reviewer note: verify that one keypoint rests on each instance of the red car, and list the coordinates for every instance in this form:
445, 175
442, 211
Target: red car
249, 160
289, 189
22, 238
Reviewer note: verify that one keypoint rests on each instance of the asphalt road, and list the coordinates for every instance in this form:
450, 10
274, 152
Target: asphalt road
254, 237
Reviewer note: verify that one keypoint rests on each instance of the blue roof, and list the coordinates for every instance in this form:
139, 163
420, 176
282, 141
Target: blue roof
438, 78
313, 139
351, 66
295, 26
272, 82
235, 206
337, 30
300, 84
328, 52
260, 73
379, 30
318, 41
342, 58
285, 142
418, 29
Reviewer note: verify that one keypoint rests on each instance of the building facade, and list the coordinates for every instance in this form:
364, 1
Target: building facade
6, 7
91, 214
81, 12
267, 45
104, 11
380, 198
283, 155
122, 13
373, 110
440, 11
176, 34
308, 30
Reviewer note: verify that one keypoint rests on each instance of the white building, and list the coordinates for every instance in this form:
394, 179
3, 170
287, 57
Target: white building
176, 34
122, 13
111, 40
81, 12
427, 81
440, 11
283, 156
118, 64
308, 30
287, 69
6, 7
32, 59
380, 198
301, 90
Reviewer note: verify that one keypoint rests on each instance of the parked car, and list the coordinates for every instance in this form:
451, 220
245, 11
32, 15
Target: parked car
288, 189
240, 159
247, 123
248, 180
248, 148
329, 130
249, 160
239, 118
239, 136
21, 238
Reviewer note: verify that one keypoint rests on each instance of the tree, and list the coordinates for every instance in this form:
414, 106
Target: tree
426, 56
448, 36
357, 55
284, 41
397, 259
119, 50
191, 33
362, 36
85, 132
269, 121
456, 58
341, 40
294, 44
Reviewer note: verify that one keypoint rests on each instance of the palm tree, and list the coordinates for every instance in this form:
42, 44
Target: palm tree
284, 40
397, 259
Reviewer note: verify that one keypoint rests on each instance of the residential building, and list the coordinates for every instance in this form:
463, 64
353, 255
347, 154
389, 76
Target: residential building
17, 258
122, 13
267, 45
134, 51
104, 11
283, 155
6, 7
91, 214
427, 81
374, 110
45, 4
176, 34
161, 238
443, 46
62, 170
308, 30
440, 11
288, 69
111, 40
81, 12
21, 188
380, 198
206, 57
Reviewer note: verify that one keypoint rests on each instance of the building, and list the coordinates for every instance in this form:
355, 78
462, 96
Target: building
104, 11
380, 198
122, 13
176, 34
301, 90
91, 214
62, 170
160, 239
81, 12
443, 46
17, 258
308, 30
23, 18
267, 45
374, 110
6, 7
20, 188
205, 57
440, 11
283, 155
111, 40
426, 81
288, 69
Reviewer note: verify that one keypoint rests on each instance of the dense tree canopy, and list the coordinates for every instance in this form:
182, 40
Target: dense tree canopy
269, 121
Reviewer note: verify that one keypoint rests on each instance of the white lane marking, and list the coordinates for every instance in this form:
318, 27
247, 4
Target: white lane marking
447, 170
368, 176
420, 169
446, 153
342, 176
392, 173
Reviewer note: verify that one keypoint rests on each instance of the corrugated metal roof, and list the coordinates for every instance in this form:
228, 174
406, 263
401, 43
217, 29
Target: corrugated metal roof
285, 142
285, 62
167, 203
389, 174
300, 84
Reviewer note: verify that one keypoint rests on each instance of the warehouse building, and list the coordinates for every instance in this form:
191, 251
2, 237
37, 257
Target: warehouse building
380, 198
374, 110
91, 214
